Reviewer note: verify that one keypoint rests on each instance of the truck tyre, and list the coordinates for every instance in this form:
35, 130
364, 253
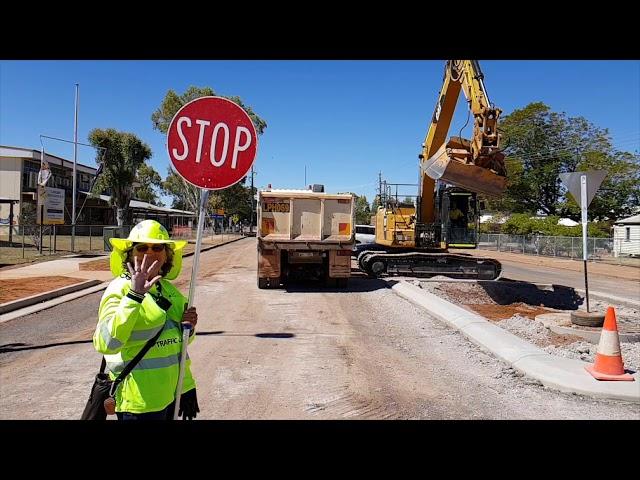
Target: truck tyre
263, 282
274, 282
342, 282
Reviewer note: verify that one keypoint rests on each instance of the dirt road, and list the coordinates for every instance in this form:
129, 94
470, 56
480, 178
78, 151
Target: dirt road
301, 353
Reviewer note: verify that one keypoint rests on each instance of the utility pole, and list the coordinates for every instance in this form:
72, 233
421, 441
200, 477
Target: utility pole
252, 201
75, 160
305, 176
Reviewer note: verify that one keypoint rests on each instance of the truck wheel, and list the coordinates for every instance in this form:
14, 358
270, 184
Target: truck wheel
342, 282
263, 282
274, 282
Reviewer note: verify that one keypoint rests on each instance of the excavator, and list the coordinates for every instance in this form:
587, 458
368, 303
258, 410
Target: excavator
413, 240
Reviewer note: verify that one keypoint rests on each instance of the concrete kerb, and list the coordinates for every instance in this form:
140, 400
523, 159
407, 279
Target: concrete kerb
36, 303
563, 374
42, 297
52, 303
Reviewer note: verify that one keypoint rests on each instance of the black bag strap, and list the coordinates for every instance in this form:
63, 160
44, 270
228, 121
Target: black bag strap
132, 364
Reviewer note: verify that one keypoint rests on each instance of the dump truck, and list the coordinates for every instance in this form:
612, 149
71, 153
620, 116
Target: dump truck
304, 235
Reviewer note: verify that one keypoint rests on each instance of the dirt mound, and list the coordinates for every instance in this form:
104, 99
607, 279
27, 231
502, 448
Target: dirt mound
101, 264
13, 289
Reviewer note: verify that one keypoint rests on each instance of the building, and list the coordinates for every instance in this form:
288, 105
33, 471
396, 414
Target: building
19, 169
626, 237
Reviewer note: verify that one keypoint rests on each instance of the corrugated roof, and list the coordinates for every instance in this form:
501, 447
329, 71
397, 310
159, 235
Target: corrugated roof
145, 205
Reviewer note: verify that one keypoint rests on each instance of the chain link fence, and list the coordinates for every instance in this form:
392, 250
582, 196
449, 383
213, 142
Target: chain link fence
609, 250
25, 242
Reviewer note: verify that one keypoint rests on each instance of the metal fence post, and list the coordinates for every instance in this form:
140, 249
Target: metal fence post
22, 241
89, 237
572, 254
49, 239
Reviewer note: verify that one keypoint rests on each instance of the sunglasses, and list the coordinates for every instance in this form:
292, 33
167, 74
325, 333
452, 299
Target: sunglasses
158, 247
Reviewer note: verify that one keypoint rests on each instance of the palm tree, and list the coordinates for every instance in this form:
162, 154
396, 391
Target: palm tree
124, 154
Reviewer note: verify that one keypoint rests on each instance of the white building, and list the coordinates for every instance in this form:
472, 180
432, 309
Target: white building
19, 175
626, 236
18, 187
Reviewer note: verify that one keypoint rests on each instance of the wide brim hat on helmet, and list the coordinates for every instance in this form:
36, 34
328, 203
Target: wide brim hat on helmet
147, 231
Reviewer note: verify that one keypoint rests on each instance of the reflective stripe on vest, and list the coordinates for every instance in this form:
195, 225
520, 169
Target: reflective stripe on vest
111, 342
148, 364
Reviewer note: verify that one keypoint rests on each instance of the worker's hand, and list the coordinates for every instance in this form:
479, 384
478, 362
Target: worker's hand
189, 408
140, 273
190, 316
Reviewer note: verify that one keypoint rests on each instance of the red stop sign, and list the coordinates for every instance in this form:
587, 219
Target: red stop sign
212, 142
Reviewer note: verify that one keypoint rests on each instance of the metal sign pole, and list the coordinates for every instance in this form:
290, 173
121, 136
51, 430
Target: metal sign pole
204, 195
585, 255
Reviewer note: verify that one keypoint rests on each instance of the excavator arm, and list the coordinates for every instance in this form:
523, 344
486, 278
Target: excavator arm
477, 164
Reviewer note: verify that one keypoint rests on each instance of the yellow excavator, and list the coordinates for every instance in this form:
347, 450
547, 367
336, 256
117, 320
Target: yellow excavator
413, 240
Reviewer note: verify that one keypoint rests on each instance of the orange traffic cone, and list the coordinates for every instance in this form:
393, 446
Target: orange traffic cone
608, 364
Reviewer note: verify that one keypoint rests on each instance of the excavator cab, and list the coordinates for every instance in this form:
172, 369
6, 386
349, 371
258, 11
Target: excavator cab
458, 216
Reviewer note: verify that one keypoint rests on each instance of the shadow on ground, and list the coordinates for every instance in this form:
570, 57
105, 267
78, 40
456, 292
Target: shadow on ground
505, 292
354, 285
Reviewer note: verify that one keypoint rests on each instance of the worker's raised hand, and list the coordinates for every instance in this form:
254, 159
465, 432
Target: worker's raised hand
140, 274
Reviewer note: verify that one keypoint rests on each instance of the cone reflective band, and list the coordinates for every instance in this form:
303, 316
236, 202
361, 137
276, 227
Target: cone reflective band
608, 364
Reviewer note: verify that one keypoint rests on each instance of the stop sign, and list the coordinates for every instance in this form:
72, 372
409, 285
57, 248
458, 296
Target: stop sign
212, 142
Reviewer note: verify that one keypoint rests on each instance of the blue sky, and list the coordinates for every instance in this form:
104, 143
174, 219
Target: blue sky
344, 120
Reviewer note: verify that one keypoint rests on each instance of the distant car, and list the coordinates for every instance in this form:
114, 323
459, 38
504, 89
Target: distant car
365, 234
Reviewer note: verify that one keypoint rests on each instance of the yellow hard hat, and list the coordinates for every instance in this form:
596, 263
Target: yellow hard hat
147, 231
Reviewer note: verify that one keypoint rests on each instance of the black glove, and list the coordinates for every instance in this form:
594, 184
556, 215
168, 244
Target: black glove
188, 405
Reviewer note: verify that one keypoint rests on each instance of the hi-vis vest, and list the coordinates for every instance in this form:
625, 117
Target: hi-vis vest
124, 326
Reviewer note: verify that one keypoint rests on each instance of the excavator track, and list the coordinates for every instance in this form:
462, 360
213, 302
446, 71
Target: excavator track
377, 263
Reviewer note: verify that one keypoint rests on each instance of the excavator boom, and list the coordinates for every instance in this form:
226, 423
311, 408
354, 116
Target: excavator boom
477, 164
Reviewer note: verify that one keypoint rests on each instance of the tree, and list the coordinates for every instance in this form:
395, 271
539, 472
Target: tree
541, 144
375, 204
124, 154
149, 181
363, 212
185, 195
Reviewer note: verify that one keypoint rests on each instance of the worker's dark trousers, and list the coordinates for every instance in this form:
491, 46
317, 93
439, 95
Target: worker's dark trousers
166, 414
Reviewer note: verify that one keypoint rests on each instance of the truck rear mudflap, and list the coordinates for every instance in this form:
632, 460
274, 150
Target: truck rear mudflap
417, 264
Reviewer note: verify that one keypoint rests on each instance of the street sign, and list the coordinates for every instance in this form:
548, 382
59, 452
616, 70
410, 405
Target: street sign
50, 206
573, 183
212, 143
583, 187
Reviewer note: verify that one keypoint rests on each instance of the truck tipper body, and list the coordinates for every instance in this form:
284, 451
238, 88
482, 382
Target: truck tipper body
304, 234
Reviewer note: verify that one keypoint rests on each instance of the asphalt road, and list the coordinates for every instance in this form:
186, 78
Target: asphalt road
305, 352
615, 286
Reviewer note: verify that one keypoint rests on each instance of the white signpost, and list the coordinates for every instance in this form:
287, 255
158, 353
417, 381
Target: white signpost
212, 144
583, 187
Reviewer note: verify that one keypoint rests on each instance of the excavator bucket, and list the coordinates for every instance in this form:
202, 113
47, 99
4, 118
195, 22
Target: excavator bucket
450, 165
